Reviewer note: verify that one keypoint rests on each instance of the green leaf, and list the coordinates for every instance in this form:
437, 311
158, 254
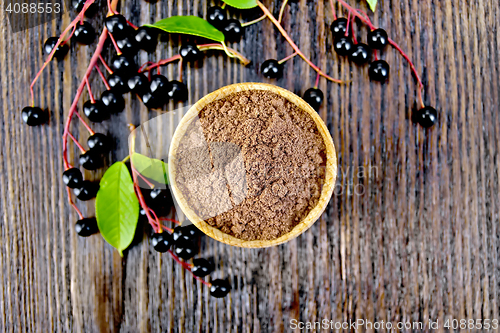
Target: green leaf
117, 207
372, 4
189, 25
151, 168
242, 4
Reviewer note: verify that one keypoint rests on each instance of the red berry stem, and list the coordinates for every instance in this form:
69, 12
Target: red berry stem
188, 267
87, 126
102, 77
77, 143
293, 45
355, 41
118, 51
143, 178
333, 10
110, 71
159, 63
348, 24
367, 21
157, 220
156, 226
317, 81
282, 10
80, 215
287, 58
72, 25
246, 24
169, 220
73, 110
92, 99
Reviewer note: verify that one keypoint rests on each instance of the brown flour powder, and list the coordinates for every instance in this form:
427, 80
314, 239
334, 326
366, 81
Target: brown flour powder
259, 169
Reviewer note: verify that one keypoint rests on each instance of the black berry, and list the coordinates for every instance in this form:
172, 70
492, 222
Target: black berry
339, 27
127, 45
99, 143
426, 116
151, 101
86, 227
123, 65
220, 288
86, 191
61, 50
33, 116
343, 45
314, 97
96, 112
162, 242
72, 178
117, 25
177, 91
187, 233
160, 198
177, 233
216, 16
118, 84
271, 69
190, 52
112, 101
159, 84
378, 39
146, 38
202, 267
90, 160
84, 33
185, 249
138, 83
360, 54
78, 6
233, 30
379, 70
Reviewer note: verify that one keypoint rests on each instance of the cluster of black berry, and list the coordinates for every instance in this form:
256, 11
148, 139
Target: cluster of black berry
378, 70
359, 53
183, 240
84, 190
231, 28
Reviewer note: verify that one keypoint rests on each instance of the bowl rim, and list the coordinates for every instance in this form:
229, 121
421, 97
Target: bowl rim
330, 167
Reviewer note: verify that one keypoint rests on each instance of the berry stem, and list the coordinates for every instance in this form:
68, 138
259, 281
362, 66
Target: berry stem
73, 204
102, 77
169, 220
355, 41
118, 51
77, 143
348, 24
92, 99
188, 266
110, 71
72, 25
234, 53
246, 24
282, 10
293, 45
159, 63
317, 81
287, 58
143, 178
333, 10
375, 54
72, 110
87, 126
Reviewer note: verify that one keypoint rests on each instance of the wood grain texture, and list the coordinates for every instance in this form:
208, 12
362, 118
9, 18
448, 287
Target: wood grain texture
419, 239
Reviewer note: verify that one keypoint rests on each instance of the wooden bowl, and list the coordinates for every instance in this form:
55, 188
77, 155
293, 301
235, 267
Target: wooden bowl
330, 172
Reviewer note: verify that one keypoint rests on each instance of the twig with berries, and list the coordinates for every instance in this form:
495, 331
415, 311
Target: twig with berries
345, 44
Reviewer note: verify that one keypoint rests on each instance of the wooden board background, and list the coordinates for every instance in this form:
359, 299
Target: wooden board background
420, 242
